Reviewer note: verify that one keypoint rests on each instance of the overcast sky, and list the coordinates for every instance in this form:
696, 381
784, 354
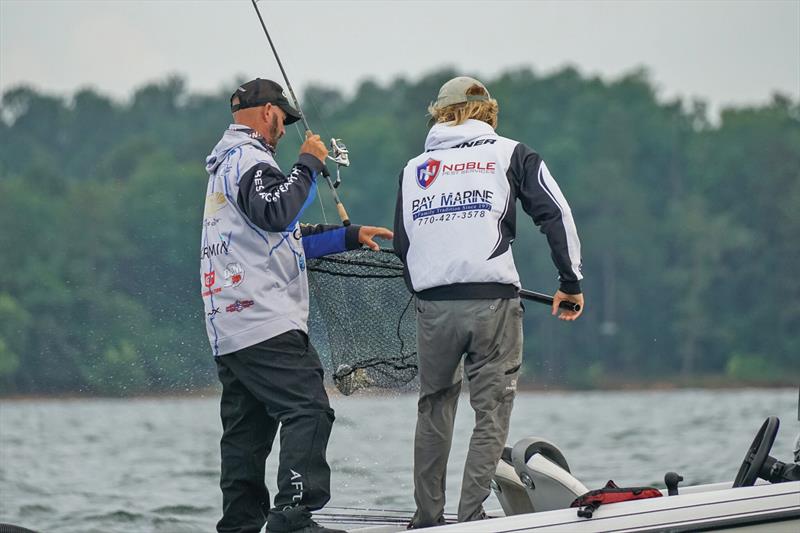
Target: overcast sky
726, 52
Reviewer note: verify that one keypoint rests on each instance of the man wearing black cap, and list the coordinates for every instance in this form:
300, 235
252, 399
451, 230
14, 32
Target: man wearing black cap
255, 290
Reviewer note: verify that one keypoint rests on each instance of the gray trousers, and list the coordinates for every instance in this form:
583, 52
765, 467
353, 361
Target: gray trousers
486, 337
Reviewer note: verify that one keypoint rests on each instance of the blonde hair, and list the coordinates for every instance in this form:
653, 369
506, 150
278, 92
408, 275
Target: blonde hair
485, 111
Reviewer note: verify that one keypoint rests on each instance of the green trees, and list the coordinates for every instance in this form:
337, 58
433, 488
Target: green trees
689, 227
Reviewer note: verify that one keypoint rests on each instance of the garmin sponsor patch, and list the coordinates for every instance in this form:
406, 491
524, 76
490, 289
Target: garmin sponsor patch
213, 250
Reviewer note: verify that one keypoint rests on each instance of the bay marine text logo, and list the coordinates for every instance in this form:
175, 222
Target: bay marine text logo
427, 172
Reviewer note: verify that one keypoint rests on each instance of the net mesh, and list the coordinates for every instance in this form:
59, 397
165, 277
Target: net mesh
362, 319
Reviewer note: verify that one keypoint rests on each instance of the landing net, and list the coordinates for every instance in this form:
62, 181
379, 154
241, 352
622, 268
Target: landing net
362, 319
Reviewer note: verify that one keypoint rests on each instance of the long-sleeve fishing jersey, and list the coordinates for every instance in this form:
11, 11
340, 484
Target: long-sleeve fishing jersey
456, 215
253, 252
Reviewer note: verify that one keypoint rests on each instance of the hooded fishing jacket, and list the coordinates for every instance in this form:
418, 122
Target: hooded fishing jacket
253, 252
455, 218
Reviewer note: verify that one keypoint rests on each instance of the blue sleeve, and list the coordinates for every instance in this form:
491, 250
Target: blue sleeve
319, 240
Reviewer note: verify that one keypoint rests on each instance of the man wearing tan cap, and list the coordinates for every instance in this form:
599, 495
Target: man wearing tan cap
454, 224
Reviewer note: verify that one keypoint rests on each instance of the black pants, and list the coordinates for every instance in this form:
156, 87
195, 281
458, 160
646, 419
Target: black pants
278, 381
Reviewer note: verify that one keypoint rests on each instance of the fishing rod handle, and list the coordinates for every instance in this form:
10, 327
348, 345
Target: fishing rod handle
339, 205
548, 300
343, 214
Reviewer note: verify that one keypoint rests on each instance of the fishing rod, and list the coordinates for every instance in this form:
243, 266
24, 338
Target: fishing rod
341, 156
548, 300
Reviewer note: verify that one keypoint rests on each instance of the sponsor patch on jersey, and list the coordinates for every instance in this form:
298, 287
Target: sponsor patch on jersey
427, 172
209, 279
214, 202
213, 250
233, 274
238, 306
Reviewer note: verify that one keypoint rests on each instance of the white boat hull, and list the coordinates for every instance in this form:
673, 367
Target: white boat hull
762, 508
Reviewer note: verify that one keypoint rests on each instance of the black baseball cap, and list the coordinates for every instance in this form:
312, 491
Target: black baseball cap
260, 92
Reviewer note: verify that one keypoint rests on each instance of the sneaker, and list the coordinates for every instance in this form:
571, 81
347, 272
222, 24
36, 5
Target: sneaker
414, 524
313, 527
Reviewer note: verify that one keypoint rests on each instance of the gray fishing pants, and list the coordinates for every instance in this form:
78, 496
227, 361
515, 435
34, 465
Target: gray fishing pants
487, 336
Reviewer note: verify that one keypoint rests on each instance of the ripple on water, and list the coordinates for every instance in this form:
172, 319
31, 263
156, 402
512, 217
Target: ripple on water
183, 509
11, 440
176, 525
357, 471
30, 489
116, 517
209, 473
620, 435
34, 510
345, 422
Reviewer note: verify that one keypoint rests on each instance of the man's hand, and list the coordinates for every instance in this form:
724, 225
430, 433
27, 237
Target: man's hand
313, 145
559, 297
366, 233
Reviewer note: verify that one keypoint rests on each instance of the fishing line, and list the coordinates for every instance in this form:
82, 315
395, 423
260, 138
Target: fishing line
340, 152
319, 196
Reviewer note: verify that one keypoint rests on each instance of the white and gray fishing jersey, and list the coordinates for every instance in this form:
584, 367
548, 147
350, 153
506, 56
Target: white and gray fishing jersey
455, 218
253, 254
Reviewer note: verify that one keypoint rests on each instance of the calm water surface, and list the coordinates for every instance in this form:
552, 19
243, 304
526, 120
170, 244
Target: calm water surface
152, 465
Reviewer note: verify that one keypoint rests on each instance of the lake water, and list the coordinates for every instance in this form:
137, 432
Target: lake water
152, 465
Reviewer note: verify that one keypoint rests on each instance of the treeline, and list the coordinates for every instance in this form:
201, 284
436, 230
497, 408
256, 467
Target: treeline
689, 228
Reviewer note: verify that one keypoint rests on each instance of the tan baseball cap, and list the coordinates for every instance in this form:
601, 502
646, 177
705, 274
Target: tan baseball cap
455, 92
